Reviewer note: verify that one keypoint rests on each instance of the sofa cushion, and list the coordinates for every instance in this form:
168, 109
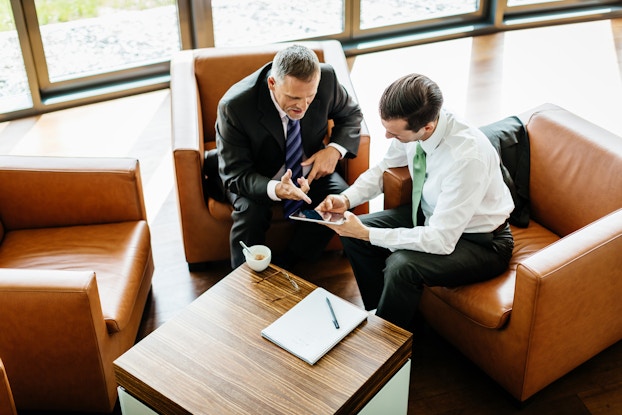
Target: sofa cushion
489, 303
118, 254
1, 231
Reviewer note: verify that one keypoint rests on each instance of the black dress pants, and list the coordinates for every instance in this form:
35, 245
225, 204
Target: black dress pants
392, 282
251, 220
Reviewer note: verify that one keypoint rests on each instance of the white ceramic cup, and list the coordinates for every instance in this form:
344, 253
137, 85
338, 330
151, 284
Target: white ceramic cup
259, 258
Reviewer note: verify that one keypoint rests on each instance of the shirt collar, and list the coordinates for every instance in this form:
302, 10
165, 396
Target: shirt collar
437, 136
282, 113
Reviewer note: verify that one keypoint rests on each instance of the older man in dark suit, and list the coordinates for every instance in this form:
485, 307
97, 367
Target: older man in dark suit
256, 119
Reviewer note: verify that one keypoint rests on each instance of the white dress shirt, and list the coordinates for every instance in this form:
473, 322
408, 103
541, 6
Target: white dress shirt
463, 191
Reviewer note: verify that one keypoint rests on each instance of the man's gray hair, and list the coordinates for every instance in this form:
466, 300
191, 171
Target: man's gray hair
297, 61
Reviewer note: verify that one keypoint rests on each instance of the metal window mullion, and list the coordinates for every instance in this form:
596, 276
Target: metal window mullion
36, 44
497, 12
203, 23
184, 20
352, 18
23, 34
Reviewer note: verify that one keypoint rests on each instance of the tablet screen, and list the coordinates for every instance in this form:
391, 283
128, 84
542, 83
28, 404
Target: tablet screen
315, 216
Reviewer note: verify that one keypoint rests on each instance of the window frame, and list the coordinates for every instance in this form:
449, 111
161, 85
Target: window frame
559, 5
422, 24
196, 31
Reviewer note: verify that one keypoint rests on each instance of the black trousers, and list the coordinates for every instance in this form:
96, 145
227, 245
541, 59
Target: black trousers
392, 282
251, 220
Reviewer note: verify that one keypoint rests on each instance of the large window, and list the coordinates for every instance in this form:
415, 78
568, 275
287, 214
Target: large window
60, 53
378, 13
83, 38
243, 22
79, 43
77, 50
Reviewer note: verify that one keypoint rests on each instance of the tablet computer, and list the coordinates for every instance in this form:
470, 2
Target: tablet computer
311, 215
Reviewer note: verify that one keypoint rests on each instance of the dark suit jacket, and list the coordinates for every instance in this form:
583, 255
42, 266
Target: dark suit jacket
509, 137
249, 133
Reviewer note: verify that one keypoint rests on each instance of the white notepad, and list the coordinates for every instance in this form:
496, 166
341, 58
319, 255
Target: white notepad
307, 329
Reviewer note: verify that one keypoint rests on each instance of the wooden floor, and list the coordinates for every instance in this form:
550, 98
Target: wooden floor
485, 78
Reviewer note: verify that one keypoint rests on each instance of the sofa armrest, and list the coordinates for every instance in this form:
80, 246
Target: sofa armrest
189, 155
7, 405
53, 331
187, 134
568, 291
397, 187
39, 192
186, 114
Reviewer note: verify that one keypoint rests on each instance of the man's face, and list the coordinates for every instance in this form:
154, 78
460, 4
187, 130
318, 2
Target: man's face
398, 129
293, 95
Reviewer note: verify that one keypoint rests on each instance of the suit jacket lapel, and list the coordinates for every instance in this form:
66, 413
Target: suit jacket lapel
268, 115
309, 125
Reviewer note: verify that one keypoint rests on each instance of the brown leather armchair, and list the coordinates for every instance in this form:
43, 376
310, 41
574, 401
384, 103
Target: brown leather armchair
7, 405
199, 78
75, 273
558, 304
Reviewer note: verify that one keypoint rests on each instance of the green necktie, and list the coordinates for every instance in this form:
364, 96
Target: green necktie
418, 179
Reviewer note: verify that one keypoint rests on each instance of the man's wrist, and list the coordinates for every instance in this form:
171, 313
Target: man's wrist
272, 184
342, 151
347, 201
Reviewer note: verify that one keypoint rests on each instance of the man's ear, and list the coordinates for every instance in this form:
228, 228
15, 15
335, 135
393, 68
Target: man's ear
271, 82
430, 126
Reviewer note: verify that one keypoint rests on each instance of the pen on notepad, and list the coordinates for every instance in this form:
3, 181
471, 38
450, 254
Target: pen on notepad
332, 313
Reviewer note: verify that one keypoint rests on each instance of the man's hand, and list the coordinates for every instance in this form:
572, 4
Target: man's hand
324, 163
334, 203
286, 189
352, 227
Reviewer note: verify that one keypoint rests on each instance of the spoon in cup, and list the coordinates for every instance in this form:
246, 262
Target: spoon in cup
246, 248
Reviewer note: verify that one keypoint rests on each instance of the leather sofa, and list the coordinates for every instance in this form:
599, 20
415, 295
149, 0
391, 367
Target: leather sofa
75, 274
558, 304
199, 78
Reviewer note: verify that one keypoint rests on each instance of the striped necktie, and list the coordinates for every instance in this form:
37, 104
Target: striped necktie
418, 179
293, 158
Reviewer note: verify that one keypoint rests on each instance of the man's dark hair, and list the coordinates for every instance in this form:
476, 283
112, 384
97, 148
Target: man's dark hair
297, 61
415, 98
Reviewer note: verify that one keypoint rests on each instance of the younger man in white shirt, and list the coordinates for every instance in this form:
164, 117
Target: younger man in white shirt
462, 235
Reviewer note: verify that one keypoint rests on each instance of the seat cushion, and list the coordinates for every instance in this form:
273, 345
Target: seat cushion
118, 253
489, 303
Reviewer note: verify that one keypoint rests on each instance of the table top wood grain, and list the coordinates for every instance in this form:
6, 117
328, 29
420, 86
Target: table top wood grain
211, 358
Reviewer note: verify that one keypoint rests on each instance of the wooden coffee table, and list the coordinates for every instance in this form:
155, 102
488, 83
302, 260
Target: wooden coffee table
211, 358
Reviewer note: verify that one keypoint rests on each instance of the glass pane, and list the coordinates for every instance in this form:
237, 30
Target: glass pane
240, 22
512, 3
377, 13
87, 37
14, 90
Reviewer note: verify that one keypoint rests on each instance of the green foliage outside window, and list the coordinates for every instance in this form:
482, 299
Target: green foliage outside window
58, 11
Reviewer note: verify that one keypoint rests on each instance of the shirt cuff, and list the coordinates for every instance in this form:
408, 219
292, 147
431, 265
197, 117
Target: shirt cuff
272, 190
352, 198
339, 148
376, 236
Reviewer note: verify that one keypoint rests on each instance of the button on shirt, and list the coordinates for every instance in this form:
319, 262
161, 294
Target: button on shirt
463, 191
